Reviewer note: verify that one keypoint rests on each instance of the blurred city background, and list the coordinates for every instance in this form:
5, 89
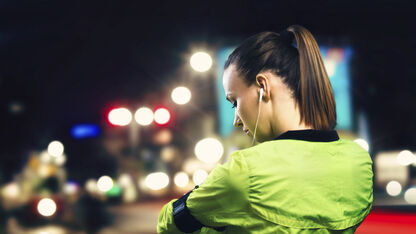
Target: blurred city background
109, 109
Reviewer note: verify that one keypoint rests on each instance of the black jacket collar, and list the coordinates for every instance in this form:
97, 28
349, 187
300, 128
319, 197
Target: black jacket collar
310, 135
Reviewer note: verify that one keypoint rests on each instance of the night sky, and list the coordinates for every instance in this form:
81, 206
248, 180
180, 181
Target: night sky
65, 62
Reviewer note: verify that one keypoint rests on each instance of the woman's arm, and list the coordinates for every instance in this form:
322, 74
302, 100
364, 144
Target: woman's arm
222, 200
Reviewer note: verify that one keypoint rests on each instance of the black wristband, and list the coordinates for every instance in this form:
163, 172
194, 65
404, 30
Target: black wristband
183, 219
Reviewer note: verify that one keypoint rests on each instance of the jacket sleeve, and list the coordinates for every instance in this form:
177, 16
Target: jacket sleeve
165, 223
220, 201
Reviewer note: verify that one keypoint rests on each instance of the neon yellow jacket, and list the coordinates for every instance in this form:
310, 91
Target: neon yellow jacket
304, 181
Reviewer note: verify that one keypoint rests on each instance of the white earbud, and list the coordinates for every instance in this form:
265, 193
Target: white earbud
261, 94
258, 115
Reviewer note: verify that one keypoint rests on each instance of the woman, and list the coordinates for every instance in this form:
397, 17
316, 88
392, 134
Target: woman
302, 178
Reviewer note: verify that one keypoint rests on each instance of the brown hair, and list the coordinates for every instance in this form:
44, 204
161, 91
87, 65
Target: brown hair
301, 69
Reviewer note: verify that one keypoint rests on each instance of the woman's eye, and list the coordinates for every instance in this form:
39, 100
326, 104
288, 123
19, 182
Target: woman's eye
234, 104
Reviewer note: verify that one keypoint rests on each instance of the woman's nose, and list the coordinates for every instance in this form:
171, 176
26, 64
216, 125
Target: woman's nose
237, 120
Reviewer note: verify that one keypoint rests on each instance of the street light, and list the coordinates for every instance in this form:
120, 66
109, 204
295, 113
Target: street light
181, 95
104, 183
410, 196
181, 179
201, 62
144, 116
162, 116
120, 116
55, 148
406, 158
393, 188
157, 180
46, 207
209, 150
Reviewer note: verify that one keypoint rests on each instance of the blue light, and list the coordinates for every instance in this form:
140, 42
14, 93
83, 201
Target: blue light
225, 112
341, 86
81, 131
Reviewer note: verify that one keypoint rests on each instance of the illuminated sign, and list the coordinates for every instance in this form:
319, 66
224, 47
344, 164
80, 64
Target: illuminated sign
81, 131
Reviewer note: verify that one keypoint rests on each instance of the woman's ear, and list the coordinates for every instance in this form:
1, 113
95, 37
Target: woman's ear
262, 81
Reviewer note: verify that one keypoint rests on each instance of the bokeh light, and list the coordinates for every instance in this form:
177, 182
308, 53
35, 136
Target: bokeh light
55, 148
209, 150
45, 157
330, 66
199, 176
104, 183
71, 188
124, 180
162, 116
162, 137
406, 158
11, 190
181, 95
144, 116
393, 188
410, 196
181, 179
91, 185
60, 161
168, 153
120, 116
363, 143
46, 207
201, 61
129, 190
157, 180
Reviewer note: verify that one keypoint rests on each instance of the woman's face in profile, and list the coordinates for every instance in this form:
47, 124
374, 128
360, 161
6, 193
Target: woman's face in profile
244, 99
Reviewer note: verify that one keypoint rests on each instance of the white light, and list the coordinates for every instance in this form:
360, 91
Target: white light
91, 185
410, 196
124, 180
44, 170
406, 158
167, 153
60, 161
11, 190
70, 188
181, 95
330, 66
162, 116
55, 148
105, 183
199, 176
120, 116
393, 188
181, 179
157, 180
363, 143
162, 137
201, 61
144, 116
46, 207
45, 157
209, 150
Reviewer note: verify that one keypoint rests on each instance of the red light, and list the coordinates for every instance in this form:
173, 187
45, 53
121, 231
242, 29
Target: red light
162, 116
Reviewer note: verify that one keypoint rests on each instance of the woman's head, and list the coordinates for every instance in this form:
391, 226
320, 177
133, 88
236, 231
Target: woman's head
294, 81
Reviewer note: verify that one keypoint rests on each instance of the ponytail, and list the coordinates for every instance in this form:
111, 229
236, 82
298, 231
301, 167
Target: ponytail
315, 97
301, 69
